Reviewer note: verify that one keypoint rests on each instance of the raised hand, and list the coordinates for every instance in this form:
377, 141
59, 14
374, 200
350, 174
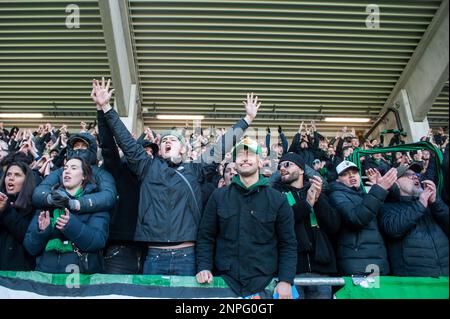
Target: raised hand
432, 188
63, 220
316, 183
83, 126
251, 107
101, 94
300, 128
3, 202
44, 220
424, 197
157, 139
388, 179
373, 175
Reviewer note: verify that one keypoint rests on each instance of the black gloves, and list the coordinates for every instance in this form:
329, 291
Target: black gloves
58, 198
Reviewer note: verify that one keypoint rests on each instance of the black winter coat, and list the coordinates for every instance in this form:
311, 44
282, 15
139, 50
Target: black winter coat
252, 231
168, 211
417, 237
125, 213
13, 227
360, 245
315, 249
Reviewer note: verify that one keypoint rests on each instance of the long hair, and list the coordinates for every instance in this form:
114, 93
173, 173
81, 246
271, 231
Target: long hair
23, 200
87, 171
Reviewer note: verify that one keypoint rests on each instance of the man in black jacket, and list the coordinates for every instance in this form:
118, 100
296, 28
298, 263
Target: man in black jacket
251, 227
122, 255
360, 246
416, 226
170, 200
315, 222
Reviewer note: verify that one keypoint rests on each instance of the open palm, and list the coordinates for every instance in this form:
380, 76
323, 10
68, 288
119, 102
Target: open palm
100, 92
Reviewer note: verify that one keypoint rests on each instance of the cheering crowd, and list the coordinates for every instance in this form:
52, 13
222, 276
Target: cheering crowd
215, 202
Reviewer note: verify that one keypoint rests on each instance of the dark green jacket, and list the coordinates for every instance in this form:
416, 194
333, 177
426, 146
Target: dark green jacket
252, 230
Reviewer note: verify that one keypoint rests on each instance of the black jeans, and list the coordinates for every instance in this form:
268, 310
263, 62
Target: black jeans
123, 259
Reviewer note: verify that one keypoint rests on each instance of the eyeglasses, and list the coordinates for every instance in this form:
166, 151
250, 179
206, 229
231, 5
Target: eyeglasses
411, 175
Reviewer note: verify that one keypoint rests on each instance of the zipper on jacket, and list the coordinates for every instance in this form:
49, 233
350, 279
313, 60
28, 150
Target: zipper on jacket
357, 241
434, 245
309, 263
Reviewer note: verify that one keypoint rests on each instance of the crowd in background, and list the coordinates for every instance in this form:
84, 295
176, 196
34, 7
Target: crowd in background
108, 201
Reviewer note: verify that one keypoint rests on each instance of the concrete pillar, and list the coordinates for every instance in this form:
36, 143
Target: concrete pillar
423, 77
133, 121
430, 72
415, 129
115, 20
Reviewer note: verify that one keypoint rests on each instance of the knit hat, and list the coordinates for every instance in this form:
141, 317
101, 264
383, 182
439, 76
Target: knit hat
174, 133
248, 144
294, 158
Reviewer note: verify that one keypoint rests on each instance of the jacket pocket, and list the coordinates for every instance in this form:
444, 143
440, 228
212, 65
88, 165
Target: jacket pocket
228, 226
264, 226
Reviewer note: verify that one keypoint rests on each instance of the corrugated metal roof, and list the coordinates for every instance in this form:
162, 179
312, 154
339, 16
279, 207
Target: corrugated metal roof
305, 59
47, 67
438, 115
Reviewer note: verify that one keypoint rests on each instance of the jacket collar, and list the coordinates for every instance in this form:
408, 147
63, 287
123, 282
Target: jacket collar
338, 186
284, 187
408, 198
262, 182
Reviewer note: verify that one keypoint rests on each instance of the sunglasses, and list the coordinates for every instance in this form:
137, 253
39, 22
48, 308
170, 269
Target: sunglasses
285, 165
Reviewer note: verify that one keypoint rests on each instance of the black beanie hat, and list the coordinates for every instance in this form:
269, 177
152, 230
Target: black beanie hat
294, 158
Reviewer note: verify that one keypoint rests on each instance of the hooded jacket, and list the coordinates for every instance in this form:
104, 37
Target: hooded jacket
247, 235
105, 197
89, 154
360, 245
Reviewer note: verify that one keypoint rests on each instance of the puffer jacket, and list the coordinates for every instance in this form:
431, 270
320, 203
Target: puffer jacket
360, 245
102, 200
417, 237
169, 212
89, 232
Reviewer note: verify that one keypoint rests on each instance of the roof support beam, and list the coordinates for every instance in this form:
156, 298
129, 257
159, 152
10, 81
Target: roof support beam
427, 70
115, 20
